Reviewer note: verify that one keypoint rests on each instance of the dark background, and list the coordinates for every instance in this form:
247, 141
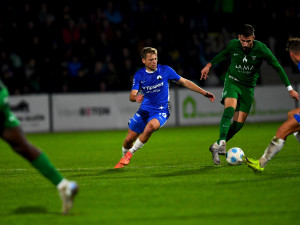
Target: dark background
93, 46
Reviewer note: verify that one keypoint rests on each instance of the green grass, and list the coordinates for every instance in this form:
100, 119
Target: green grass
171, 180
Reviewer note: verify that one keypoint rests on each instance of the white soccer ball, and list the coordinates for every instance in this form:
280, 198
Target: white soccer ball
234, 156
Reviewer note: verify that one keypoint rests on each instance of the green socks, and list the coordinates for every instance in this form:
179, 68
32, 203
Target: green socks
43, 164
225, 122
234, 128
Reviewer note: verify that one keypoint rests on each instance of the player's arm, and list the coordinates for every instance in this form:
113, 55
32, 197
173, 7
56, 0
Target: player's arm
271, 60
194, 87
221, 56
135, 96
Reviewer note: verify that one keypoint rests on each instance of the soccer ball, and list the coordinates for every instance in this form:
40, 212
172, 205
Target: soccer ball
234, 156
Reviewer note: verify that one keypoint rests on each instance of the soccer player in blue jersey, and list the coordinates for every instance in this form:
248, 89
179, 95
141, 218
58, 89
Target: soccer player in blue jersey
290, 126
151, 89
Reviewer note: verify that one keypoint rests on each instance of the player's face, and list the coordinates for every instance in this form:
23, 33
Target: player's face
246, 42
150, 62
293, 58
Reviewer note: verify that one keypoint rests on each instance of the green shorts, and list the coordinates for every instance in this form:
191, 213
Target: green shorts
7, 117
243, 94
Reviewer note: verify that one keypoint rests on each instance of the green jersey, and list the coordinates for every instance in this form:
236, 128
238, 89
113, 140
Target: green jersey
245, 66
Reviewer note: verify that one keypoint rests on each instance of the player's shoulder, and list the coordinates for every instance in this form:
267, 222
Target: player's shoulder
234, 43
140, 72
259, 44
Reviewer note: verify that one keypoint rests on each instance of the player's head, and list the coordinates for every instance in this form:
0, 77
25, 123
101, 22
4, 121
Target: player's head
246, 36
149, 58
293, 46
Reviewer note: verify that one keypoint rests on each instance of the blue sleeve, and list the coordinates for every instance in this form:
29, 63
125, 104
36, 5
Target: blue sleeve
136, 82
172, 74
299, 66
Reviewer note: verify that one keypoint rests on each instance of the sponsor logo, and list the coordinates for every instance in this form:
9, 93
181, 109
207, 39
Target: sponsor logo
159, 77
149, 88
23, 106
85, 111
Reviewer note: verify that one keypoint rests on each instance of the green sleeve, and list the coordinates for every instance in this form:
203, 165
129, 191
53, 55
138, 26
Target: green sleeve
271, 60
220, 57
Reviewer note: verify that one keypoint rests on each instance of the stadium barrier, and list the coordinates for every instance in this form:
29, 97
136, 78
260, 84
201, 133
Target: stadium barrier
107, 111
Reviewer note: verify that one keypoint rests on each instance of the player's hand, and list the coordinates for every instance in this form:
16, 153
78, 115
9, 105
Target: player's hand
210, 96
205, 71
139, 98
294, 94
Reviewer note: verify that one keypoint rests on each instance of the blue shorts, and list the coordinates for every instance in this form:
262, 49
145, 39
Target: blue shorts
297, 117
142, 117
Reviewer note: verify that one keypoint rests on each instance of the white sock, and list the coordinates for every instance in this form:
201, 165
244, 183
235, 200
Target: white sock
137, 145
62, 183
274, 147
124, 151
297, 136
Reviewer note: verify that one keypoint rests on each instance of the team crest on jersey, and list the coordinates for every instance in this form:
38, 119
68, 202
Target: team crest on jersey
159, 77
253, 57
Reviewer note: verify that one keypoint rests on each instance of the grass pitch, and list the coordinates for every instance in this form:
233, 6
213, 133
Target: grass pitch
171, 180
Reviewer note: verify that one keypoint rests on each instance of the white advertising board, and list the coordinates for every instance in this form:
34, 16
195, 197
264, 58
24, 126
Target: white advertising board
271, 103
94, 111
194, 109
32, 111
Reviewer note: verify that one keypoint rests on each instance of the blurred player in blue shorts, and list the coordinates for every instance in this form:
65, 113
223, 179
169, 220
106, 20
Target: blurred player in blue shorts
151, 89
290, 126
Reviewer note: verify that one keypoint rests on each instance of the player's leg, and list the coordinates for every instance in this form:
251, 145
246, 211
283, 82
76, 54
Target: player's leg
15, 137
242, 110
219, 148
129, 140
151, 126
296, 114
229, 99
136, 125
288, 127
127, 144
239, 119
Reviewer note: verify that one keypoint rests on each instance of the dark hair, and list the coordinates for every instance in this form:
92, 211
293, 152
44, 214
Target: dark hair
246, 30
293, 44
148, 50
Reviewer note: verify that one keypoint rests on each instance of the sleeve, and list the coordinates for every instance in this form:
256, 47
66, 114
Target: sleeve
172, 75
272, 61
136, 82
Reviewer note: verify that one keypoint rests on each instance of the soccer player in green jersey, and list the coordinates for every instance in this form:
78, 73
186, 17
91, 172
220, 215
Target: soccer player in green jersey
11, 132
247, 56
290, 126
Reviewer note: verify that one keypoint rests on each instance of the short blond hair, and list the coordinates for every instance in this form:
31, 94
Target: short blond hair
148, 50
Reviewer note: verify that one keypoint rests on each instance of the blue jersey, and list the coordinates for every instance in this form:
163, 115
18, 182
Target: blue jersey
155, 86
299, 66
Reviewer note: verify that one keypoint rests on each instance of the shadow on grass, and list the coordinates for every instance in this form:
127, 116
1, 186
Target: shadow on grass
128, 172
32, 210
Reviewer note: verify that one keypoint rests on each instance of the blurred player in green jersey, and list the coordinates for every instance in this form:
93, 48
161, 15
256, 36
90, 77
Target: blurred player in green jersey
247, 56
11, 132
290, 126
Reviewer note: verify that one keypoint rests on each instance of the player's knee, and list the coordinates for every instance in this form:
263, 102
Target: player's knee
290, 114
150, 128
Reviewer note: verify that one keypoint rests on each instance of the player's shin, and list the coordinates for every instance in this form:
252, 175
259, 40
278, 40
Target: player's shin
274, 147
225, 122
137, 145
234, 128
